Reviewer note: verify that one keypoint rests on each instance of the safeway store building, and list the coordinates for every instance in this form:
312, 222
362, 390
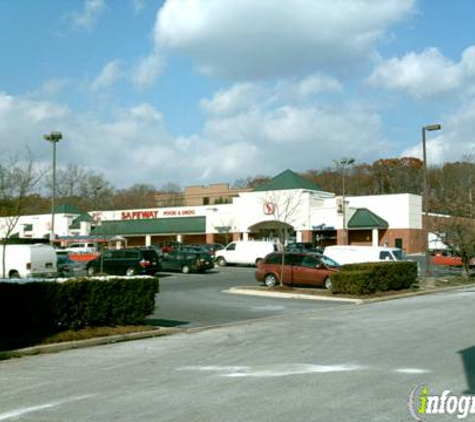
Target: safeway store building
287, 201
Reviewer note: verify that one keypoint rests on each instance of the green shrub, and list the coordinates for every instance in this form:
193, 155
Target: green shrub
49, 306
368, 278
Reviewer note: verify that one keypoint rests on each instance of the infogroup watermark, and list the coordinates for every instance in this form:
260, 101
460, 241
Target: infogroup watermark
422, 403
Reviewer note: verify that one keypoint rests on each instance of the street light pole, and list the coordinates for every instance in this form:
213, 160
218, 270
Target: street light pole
425, 193
53, 138
344, 163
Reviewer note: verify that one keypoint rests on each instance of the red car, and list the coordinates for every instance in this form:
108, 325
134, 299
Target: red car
299, 269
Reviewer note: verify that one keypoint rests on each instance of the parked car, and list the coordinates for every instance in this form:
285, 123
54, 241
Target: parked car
244, 252
210, 248
129, 261
69, 268
299, 269
82, 247
187, 261
303, 247
26, 261
353, 254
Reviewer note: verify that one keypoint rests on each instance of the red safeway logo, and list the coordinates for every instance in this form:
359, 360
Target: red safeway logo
269, 208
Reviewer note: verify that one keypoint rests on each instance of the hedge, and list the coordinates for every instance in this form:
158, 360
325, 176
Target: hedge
49, 306
372, 277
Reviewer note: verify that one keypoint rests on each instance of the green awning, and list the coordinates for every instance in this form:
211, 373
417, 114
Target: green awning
185, 225
76, 224
363, 218
287, 180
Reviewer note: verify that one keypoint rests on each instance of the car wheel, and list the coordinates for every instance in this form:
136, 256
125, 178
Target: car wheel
221, 261
91, 271
270, 280
328, 283
14, 274
130, 271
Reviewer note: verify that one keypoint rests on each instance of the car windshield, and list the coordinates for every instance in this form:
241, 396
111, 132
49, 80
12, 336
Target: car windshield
328, 261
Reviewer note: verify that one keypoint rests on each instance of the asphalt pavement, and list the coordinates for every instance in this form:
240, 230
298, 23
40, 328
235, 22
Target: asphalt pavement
201, 300
343, 363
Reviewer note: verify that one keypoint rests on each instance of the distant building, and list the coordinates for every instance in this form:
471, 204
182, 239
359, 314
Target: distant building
215, 194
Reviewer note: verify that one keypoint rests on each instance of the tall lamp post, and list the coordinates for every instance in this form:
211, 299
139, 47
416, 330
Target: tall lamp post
54, 138
425, 193
344, 163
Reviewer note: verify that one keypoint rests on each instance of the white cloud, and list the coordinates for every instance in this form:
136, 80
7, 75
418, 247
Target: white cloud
301, 136
454, 141
148, 69
146, 113
90, 14
51, 88
134, 146
426, 74
110, 74
241, 96
139, 5
249, 39
248, 95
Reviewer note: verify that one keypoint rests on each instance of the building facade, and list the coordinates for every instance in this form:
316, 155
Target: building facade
286, 204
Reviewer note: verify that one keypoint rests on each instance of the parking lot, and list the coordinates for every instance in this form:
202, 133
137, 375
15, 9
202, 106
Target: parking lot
199, 300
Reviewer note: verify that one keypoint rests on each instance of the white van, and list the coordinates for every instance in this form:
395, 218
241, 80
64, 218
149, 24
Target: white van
81, 247
244, 252
349, 254
25, 261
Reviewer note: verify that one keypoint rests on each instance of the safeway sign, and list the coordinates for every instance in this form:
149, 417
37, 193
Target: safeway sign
269, 208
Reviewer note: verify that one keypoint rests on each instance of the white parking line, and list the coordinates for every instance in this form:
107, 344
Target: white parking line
25, 410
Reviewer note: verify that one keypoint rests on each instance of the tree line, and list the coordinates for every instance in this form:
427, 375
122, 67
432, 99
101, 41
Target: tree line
451, 186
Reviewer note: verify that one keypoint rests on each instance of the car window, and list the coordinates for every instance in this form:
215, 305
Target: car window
310, 262
275, 258
385, 256
150, 255
231, 247
108, 254
131, 255
292, 259
118, 254
329, 262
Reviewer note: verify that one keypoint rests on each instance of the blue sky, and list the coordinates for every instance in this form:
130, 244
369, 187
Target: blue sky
200, 91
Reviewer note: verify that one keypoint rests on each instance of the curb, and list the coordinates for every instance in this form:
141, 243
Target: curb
98, 341
250, 292
432, 290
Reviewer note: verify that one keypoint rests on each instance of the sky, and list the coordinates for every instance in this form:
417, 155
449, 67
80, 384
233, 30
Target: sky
211, 91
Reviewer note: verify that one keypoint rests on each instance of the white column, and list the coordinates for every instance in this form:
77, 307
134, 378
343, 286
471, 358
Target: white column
299, 236
375, 237
179, 238
148, 240
245, 236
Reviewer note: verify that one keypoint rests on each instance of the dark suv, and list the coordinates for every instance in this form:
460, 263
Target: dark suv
187, 260
129, 261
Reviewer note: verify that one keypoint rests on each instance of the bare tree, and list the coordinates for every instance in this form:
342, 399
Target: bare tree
137, 196
284, 208
458, 234
18, 177
170, 195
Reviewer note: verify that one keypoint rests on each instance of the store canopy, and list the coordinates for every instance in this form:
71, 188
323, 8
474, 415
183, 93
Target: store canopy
287, 180
151, 226
363, 218
270, 225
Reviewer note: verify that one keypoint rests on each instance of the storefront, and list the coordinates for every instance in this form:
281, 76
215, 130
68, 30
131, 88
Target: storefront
287, 205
